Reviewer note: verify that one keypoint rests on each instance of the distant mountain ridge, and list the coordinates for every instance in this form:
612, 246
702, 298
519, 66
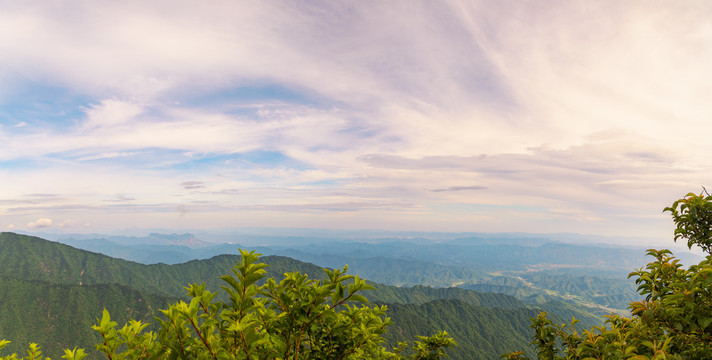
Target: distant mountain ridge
479, 262
185, 239
152, 253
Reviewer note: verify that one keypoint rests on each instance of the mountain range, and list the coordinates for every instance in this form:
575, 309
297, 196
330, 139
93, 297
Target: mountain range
533, 268
52, 293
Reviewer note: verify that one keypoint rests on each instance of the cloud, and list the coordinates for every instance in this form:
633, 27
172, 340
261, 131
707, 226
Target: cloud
54, 208
111, 155
121, 197
67, 224
40, 223
624, 154
227, 192
110, 113
326, 207
439, 83
461, 188
33, 199
191, 185
594, 109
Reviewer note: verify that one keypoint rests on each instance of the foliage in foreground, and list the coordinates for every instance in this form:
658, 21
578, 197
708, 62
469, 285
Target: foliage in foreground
297, 318
674, 321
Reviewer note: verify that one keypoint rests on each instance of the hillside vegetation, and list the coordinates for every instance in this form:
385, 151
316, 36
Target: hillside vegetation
672, 321
37, 272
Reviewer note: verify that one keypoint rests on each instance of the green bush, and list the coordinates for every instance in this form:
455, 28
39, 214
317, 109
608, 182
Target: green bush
674, 321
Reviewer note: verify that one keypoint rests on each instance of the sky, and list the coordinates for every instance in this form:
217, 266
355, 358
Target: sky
485, 116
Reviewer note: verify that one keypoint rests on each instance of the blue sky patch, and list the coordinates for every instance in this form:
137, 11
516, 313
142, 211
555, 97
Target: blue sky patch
42, 105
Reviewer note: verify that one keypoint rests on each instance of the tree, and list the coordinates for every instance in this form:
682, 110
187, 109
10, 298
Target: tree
296, 318
693, 217
674, 321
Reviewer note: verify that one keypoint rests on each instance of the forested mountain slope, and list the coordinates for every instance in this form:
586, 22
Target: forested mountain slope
482, 333
60, 316
33, 258
52, 294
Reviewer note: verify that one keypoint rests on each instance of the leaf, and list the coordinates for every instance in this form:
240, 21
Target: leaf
359, 298
704, 322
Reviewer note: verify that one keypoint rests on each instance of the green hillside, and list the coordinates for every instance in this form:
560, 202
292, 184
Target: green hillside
422, 294
482, 333
52, 293
33, 258
60, 316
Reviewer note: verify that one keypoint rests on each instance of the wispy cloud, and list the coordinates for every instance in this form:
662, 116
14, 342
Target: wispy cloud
191, 185
461, 188
121, 197
594, 109
110, 155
